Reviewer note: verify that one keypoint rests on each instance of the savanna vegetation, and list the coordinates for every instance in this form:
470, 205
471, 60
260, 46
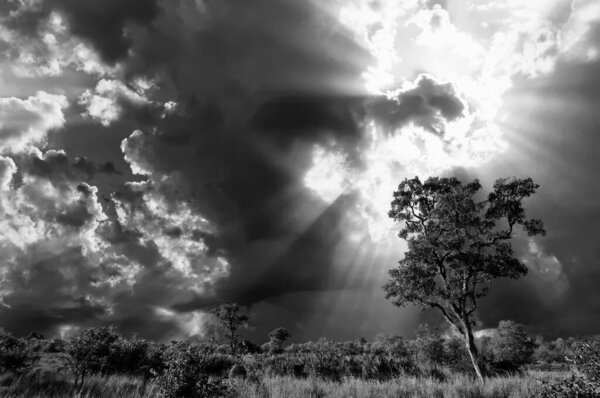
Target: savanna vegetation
458, 244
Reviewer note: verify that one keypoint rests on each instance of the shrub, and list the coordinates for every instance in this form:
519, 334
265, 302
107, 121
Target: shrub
185, 374
585, 355
89, 352
511, 347
14, 353
135, 357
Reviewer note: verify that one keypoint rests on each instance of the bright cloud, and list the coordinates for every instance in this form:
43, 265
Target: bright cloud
105, 103
155, 210
44, 219
51, 50
548, 271
24, 122
426, 127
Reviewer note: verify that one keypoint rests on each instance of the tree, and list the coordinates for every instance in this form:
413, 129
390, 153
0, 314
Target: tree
89, 352
230, 318
277, 339
511, 346
457, 245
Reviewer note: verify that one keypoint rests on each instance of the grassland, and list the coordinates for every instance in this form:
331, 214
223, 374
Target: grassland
45, 385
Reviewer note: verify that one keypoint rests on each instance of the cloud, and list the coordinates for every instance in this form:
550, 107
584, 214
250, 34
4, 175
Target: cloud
26, 122
157, 216
263, 138
104, 26
45, 46
548, 271
429, 104
106, 102
7, 170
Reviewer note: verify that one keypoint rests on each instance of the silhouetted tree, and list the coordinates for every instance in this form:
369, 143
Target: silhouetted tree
231, 319
457, 245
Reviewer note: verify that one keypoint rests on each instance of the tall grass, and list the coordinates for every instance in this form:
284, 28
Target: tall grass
56, 386
455, 386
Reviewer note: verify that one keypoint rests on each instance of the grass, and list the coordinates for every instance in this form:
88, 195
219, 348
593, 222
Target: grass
41, 385
455, 387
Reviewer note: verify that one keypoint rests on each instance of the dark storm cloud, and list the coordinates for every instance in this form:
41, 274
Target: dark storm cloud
257, 85
428, 105
51, 294
58, 168
103, 23
562, 158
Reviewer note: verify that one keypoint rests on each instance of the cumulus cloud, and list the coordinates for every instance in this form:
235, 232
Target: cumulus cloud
7, 170
104, 27
159, 218
106, 102
24, 122
53, 246
428, 104
48, 48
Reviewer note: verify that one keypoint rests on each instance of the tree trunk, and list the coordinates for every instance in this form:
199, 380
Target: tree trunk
472, 349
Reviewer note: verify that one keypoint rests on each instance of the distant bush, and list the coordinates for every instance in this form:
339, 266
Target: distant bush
511, 347
552, 352
15, 356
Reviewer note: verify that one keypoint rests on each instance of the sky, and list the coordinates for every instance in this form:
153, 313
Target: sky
161, 157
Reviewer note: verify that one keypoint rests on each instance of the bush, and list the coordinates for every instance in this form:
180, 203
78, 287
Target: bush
185, 374
135, 357
89, 352
14, 353
511, 347
585, 356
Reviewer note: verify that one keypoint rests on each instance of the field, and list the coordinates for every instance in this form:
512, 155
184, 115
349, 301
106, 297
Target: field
46, 385
101, 363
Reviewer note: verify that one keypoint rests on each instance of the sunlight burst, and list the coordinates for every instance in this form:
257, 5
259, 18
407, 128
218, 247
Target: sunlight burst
478, 49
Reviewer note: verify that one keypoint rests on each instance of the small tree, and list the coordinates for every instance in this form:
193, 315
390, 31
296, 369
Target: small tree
90, 351
231, 319
457, 245
511, 346
277, 339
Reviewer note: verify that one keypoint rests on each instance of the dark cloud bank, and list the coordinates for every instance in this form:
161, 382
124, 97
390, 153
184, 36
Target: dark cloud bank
258, 84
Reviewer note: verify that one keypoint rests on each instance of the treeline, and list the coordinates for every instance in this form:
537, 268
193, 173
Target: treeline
202, 369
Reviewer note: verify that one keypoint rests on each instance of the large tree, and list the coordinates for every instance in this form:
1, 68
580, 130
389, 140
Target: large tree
458, 243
